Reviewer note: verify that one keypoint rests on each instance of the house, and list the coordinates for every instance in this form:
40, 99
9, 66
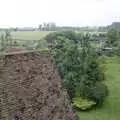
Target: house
115, 25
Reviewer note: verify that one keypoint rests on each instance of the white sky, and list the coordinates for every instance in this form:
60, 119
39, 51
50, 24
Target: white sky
63, 12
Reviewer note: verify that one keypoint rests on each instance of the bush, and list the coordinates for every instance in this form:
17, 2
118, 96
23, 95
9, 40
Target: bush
96, 92
83, 104
112, 38
51, 37
70, 35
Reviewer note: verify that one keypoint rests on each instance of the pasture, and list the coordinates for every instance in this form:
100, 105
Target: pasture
27, 40
111, 108
29, 35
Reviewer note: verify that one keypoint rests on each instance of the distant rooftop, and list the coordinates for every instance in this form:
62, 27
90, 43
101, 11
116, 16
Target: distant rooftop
115, 25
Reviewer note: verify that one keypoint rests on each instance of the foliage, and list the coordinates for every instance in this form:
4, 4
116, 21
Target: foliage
96, 92
112, 43
83, 104
92, 74
110, 109
6, 40
113, 38
51, 37
2, 42
80, 68
67, 60
70, 35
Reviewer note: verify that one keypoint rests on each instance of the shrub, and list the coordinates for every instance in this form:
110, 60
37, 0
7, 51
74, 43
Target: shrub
112, 38
51, 37
83, 104
70, 35
96, 92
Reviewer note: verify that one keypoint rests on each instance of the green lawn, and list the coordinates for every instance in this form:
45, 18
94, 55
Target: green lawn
28, 39
111, 108
29, 35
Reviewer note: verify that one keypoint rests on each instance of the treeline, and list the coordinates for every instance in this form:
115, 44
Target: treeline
48, 27
51, 26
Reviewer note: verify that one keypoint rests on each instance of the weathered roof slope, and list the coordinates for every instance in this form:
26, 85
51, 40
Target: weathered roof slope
30, 89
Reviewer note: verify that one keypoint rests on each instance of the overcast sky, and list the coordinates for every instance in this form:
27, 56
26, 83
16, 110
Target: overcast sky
21, 13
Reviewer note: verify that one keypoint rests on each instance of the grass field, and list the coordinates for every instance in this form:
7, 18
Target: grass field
27, 40
29, 35
111, 108
34, 35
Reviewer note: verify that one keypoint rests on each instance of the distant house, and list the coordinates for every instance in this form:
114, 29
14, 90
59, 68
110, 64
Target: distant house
115, 25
